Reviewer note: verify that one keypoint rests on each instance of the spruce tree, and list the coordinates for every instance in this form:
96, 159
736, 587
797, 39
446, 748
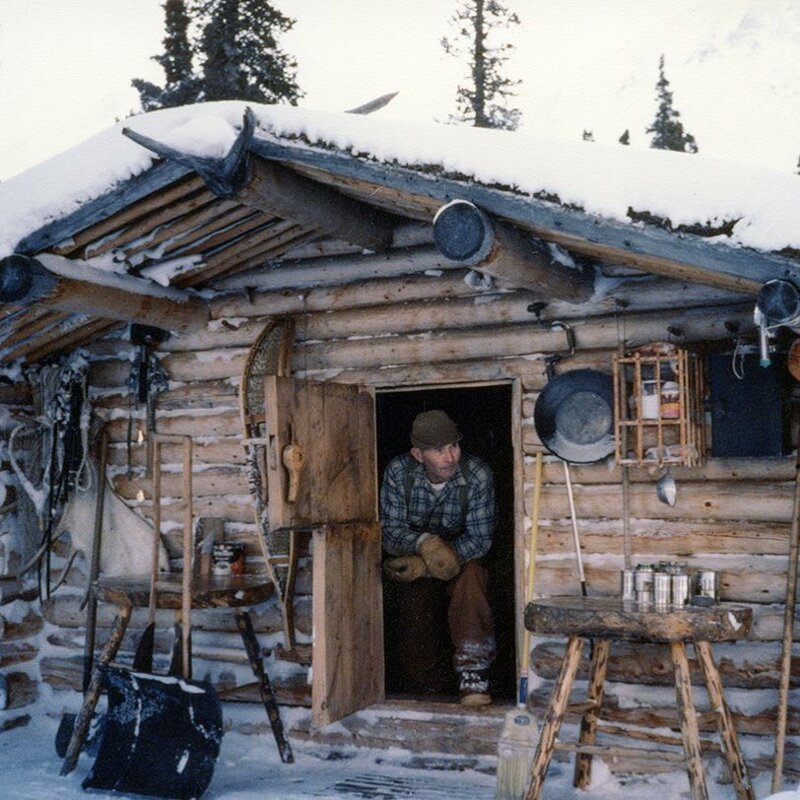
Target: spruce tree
625, 138
181, 85
667, 129
482, 101
588, 136
235, 55
241, 59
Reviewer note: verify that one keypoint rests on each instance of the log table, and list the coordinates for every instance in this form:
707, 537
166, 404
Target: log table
602, 620
126, 593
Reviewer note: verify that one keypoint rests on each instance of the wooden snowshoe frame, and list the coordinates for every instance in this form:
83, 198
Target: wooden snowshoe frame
270, 354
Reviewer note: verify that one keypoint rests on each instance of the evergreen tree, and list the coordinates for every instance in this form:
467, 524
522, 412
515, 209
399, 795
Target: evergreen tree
181, 85
482, 102
798, 165
588, 136
236, 49
240, 53
625, 138
667, 129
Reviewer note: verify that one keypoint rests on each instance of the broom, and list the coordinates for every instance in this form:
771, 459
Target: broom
520, 733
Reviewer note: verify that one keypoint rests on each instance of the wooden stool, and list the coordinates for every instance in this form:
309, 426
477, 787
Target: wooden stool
602, 619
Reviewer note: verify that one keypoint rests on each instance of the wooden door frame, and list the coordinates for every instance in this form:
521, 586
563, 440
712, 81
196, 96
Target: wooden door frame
519, 537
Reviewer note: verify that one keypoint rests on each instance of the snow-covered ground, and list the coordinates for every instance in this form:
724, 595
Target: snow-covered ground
249, 767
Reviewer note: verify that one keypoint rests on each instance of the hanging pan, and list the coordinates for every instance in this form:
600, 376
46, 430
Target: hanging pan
574, 416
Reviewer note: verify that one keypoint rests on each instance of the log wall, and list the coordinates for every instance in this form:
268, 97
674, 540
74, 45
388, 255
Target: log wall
408, 319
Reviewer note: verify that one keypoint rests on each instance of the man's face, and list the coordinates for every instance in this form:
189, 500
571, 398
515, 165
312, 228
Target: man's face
440, 462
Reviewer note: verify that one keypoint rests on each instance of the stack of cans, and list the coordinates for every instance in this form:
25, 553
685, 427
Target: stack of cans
658, 585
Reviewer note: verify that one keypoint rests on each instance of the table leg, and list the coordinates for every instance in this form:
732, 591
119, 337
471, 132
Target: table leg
727, 730
588, 734
92, 695
556, 710
688, 719
245, 625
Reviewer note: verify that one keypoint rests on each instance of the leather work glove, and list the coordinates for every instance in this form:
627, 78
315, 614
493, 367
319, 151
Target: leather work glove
405, 568
442, 561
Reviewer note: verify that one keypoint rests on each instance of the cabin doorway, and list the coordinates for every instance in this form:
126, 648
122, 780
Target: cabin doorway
483, 414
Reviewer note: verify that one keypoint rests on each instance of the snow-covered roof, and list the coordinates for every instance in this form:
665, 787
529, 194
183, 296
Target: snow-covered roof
600, 179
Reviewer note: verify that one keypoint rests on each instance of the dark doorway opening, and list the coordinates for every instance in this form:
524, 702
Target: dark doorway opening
483, 415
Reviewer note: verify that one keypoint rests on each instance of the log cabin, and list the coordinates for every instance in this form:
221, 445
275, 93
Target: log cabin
395, 269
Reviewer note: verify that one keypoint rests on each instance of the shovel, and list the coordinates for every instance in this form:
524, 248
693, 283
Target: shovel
162, 733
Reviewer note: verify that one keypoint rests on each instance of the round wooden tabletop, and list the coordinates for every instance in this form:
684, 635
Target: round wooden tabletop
614, 618
210, 592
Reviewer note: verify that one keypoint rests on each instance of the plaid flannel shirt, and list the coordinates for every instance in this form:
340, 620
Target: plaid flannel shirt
439, 513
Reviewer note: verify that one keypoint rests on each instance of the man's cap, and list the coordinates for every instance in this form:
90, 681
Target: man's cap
433, 429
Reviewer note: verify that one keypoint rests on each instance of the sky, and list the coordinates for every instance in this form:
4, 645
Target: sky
733, 67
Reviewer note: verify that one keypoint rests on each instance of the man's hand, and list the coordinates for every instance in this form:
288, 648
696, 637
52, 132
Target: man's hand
440, 558
405, 568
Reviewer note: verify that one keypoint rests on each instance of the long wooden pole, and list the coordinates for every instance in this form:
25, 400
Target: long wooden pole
575, 537
788, 628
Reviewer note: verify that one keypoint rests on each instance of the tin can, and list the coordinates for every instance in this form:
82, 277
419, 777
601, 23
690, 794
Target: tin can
228, 558
680, 589
628, 584
661, 589
708, 584
643, 577
644, 598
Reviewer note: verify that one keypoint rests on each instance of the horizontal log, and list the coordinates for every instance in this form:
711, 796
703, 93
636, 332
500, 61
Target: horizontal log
665, 540
331, 271
67, 673
767, 502
29, 626
651, 665
12, 653
466, 234
225, 480
521, 339
17, 690
207, 366
778, 469
12, 588
50, 281
758, 723
278, 190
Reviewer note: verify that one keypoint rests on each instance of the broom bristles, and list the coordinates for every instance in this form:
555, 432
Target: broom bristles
515, 752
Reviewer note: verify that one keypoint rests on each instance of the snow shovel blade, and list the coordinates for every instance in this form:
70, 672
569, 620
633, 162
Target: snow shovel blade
143, 657
92, 742
162, 736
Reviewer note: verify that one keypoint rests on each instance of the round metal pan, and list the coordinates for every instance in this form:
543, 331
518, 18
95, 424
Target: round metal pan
574, 416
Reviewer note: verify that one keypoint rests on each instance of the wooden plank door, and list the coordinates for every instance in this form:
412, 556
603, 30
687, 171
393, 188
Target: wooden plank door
336, 495
347, 619
334, 425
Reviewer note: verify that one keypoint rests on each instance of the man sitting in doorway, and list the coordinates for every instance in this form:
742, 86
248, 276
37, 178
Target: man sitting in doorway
438, 517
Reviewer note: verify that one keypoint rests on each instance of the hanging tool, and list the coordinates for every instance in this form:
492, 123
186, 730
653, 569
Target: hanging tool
520, 734
575, 538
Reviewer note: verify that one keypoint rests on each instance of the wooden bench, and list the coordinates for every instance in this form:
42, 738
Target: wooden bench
602, 620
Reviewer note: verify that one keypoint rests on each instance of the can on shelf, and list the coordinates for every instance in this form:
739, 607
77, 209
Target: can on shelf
628, 584
708, 584
661, 589
643, 583
228, 558
680, 588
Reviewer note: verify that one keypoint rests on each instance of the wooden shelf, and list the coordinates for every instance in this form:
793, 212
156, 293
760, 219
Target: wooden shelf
658, 409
